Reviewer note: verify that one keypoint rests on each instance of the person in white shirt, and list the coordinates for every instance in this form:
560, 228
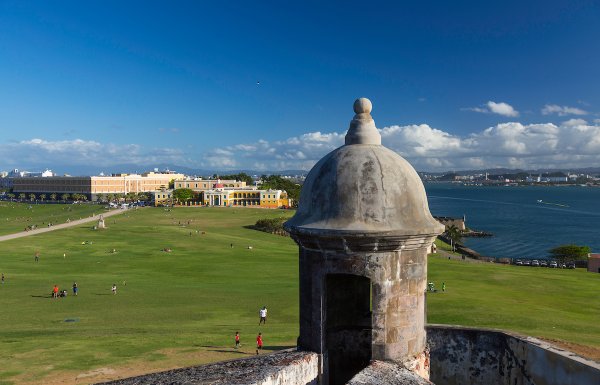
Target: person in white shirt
263, 315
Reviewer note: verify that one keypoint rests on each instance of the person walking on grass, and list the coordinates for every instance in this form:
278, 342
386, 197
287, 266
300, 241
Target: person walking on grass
55, 291
114, 289
263, 315
259, 343
443, 286
75, 288
3, 278
237, 340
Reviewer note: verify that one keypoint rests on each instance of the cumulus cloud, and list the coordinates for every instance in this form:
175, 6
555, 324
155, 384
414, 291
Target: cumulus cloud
46, 153
554, 109
491, 107
573, 143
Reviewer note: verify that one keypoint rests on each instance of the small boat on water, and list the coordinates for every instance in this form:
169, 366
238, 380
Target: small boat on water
552, 204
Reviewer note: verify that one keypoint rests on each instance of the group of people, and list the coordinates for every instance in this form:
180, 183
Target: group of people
262, 313
56, 292
431, 287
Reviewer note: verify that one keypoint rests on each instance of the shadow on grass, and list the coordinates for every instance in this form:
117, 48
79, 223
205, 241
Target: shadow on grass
222, 349
274, 348
102, 294
232, 350
41, 296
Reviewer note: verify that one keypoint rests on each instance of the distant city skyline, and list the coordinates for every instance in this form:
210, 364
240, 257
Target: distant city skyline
270, 86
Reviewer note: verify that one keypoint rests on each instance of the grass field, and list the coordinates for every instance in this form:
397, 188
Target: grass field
183, 307
15, 217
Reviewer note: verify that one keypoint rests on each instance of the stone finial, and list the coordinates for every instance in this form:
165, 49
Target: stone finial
362, 128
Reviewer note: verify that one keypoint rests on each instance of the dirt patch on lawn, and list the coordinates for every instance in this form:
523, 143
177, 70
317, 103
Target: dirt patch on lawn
157, 361
589, 352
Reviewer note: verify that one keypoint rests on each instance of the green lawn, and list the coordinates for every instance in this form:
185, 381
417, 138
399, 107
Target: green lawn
15, 217
193, 299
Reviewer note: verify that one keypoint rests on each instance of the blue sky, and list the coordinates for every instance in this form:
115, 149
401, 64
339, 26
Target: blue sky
455, 85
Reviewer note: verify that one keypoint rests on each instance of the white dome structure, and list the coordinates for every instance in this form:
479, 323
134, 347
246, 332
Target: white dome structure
363, 187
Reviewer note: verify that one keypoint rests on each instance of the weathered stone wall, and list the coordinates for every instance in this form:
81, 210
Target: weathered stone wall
387, 373
394, 330
487, 357
286, 367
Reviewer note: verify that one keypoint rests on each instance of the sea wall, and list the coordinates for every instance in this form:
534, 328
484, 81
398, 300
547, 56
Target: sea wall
483, 357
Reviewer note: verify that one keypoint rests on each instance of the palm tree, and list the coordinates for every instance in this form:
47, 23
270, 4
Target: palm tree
65, 197
11, 196
53, 196
32, 197
42, 197
131, 196
22, 196
454, 234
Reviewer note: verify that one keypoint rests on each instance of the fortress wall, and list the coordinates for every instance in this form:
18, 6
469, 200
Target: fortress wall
387, 373
482, 357
289, 367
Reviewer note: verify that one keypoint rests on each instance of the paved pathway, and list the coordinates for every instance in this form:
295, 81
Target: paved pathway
61, 226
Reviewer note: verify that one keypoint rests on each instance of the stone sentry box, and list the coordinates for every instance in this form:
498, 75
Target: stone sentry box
363, 227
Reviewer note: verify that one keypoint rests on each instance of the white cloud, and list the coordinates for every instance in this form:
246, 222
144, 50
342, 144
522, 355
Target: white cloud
491, 107
574, 122
502, 108
550, 109
46, 153
572, 143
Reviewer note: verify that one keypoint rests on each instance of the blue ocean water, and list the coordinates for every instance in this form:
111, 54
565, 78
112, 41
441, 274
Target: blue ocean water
522, 226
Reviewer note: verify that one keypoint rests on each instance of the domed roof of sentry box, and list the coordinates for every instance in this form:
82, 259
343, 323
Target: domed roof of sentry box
363, 188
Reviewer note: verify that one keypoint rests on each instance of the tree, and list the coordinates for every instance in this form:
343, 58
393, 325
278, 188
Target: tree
276, 182
565, 253
183, 194
145, 196
454, 234
22, 196
242, 177
131, 197
11, 196
53, 196
42, 197
65, 197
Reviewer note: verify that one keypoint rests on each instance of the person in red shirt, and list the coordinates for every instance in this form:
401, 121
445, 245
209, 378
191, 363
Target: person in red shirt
259, 342
237, 340
55, 291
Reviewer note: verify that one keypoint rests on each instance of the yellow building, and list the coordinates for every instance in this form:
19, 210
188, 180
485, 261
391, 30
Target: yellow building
163, 197
92, 186
249, 196
199, 184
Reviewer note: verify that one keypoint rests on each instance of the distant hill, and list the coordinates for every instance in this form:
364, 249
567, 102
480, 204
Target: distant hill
132, 168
